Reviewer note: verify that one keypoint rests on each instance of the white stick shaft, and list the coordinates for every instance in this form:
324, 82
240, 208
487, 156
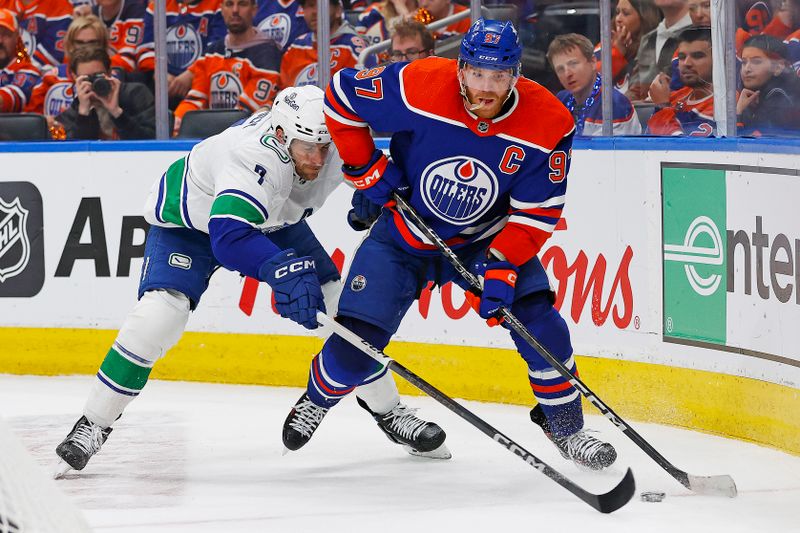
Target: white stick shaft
354, 339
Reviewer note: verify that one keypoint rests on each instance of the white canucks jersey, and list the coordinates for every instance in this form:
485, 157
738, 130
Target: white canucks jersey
245, 174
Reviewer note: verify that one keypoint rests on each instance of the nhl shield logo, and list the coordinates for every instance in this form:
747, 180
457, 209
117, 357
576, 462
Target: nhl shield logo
15, 246
459, 189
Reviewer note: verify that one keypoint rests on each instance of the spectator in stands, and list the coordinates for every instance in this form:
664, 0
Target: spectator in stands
241, 71
664, 83
44, 24
691, 109
105, 107
299, 65
54, 93
191, 26
124, 20
377, 22
700, 12
18, 75
281, 21
658, 46
634, 18
768, 102
411, 40
433, 10
572, 58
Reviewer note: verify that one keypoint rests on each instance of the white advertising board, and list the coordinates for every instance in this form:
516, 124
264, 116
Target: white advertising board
605, 259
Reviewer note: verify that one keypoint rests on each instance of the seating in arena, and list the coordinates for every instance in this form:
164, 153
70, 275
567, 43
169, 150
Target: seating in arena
207, 122
23, 127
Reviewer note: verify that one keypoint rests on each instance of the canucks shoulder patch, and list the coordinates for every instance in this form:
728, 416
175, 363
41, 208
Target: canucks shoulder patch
271, 142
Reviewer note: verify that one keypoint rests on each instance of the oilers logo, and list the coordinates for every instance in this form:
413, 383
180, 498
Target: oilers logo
28, 41
277, 27
58, 98
307, 76
459, 189
225, 91
184, 46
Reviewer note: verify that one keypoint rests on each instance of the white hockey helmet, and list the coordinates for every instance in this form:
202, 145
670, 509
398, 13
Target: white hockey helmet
299, 113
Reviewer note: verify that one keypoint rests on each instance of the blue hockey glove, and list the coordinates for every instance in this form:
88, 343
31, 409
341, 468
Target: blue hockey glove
295, 285
499, 280
378, 179
364, 213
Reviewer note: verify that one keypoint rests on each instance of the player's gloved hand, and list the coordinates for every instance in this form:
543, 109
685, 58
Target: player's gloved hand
499, 280
378, 179
296, 287
364, 212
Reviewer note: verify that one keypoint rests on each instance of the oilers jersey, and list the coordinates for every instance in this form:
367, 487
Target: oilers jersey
125, 32
243, 174
624, 118
299, 66
372, 25
44, 25
53, 94
225, 78
190, 27
17, 81
684, 116
793, 50
281, 20
502, 181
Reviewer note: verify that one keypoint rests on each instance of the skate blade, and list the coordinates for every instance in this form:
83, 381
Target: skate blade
285, 451
442, 452
61, 468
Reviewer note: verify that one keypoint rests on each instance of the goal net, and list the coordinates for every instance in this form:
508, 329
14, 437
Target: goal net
30, 502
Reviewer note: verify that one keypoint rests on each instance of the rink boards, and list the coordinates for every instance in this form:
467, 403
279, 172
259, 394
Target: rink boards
676, 265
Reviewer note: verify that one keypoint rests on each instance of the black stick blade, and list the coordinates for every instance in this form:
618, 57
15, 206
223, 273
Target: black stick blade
616, 497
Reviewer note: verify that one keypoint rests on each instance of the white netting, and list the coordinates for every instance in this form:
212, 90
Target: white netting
30, 502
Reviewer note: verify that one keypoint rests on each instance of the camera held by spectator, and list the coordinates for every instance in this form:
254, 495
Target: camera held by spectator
104, 107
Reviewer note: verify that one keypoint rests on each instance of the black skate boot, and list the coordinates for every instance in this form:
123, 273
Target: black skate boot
418, 437
304, 418
580, 447
81, 444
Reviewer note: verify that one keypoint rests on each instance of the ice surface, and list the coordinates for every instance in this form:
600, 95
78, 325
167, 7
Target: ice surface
200, 458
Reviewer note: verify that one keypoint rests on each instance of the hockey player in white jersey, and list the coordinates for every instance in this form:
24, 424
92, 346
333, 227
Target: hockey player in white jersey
237, 200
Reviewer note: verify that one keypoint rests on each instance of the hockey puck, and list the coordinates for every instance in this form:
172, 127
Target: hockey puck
653, 497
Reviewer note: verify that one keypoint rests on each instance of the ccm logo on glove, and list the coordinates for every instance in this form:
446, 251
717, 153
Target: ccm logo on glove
291, 268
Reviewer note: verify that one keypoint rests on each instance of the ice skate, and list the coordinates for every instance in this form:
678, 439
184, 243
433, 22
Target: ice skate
303, 420
416, 436
85, 440
580, 447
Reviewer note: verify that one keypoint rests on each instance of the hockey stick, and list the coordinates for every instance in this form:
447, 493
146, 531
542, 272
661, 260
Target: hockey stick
605, 503
722, 485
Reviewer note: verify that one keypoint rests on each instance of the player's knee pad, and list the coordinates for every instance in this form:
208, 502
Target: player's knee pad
155, 324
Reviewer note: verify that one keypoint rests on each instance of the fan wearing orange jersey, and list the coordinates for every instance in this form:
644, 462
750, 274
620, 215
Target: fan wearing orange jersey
17, 74
238, 72
125, 22
299, 66
691, 109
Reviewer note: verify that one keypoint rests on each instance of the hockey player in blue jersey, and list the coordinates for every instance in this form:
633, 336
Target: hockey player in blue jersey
238, 200
483, 155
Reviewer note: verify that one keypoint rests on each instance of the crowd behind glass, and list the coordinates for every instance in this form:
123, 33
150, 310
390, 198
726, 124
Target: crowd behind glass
88, 66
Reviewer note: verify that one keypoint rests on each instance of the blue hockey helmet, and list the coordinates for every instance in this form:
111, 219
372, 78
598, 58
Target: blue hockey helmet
491, 44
